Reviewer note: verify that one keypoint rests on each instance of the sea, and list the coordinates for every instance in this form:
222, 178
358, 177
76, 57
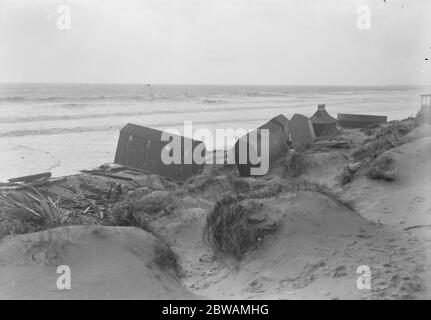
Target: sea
64, 128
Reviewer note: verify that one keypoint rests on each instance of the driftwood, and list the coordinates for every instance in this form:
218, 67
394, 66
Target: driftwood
92, 203
106, 168
332, 144
26, 200
114, 176
16, 186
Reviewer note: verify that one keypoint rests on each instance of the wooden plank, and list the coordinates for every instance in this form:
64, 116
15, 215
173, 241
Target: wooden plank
114, 176
31, 178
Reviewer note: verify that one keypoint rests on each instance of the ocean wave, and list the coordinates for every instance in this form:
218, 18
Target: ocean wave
214, 101
145, 97
135, 97
266, 94
40, 118
107, 128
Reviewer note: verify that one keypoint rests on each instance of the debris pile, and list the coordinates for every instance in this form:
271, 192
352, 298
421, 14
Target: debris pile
37, 202
40, 210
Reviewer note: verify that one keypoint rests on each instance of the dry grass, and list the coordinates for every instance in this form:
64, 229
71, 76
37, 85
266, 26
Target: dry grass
346, 176
126, 214
136, 211
25, 212
13, 226
157, 202
368, 155
385, 139
382, 168
375, 147
296, 164
227, 228
371, 129
397, 128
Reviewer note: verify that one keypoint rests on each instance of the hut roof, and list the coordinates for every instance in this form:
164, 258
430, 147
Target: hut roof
322, 116
140, 131
148, 133
361, 118
281, 120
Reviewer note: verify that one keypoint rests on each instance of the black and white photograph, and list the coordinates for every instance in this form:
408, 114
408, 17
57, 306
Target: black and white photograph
201, 150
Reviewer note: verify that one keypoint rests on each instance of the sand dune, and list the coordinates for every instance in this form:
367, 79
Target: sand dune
317, 245
105, 263
314, 254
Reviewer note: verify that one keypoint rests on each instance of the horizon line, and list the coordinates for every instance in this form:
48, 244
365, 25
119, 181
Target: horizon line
219, 84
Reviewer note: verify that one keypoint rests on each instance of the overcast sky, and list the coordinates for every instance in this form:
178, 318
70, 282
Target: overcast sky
216, 42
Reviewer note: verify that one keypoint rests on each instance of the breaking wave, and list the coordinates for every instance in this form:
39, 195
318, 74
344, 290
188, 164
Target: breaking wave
116, 128
45, 117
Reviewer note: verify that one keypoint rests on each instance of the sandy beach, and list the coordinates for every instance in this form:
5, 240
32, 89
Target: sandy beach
315, 233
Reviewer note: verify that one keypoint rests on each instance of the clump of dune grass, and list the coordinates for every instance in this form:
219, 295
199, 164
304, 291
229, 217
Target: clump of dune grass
227, 228
375, 147
157, 202
136, 211
346, 176
382, 168
24, 212
398, 128
385, 139
126, 214
13, 226
166, 258
295, 164
370, 129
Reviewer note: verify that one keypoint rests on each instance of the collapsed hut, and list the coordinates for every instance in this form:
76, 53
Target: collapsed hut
425, 111
323, 122
346, 120
247, 149
141, 148
301, 131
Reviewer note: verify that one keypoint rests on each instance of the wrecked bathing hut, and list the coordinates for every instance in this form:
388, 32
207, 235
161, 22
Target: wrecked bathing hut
359, 120
248, 150
141, 148
301, 131
323, 122
425, 111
